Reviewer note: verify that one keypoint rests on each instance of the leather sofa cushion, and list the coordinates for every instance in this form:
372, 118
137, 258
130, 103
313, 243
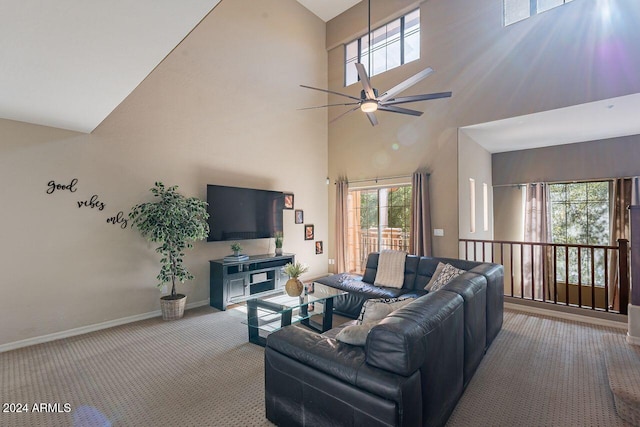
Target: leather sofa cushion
410, 270
360, 291
338, 360
399, 342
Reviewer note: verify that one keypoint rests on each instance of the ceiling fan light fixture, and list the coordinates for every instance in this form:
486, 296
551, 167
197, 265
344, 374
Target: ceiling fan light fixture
369, 106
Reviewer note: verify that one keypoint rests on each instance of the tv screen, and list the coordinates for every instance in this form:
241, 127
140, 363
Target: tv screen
243, 213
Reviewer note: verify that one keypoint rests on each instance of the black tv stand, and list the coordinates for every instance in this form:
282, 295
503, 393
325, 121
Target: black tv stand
231, 282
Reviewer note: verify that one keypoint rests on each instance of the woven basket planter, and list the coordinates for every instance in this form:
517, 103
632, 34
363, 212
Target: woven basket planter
173, 309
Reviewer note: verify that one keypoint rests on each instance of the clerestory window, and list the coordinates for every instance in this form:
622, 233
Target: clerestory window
517, 10
393, 44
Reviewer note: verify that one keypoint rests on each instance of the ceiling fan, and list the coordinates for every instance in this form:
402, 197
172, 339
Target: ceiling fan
370, 101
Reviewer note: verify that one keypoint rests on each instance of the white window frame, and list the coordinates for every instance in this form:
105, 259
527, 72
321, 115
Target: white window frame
599, 266
403, 36
380, 236
535, 8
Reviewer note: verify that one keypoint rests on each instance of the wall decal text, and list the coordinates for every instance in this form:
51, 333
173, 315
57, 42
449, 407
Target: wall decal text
120, 218
93, 202
53, 186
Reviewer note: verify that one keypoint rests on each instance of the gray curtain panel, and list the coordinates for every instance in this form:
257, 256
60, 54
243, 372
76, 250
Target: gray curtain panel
342, 190
420, 239
619, 230
537, 228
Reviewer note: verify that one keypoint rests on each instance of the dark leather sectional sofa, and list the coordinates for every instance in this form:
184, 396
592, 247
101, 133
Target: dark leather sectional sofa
415, 364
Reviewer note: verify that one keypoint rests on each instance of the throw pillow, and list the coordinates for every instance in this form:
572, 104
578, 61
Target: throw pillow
374, 310
390, 271
435, 276
355, 334
448, 273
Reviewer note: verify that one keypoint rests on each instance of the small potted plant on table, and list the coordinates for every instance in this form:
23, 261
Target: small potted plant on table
278, 239
294, 286
236, 248
174, 221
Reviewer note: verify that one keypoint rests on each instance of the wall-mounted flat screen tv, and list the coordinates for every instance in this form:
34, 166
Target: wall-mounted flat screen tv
243, 213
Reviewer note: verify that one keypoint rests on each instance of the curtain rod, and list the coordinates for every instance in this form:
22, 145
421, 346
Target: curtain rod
380, 179
576, 181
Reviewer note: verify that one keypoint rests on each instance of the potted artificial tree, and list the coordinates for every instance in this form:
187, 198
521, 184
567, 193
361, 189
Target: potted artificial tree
174, 221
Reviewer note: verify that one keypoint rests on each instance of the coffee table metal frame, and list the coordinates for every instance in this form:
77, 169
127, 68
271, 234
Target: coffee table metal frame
286, 311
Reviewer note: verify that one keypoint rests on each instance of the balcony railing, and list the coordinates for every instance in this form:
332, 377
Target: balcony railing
568, 274
370, 240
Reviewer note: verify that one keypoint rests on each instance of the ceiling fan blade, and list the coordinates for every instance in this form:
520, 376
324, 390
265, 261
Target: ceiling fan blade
405, 84
393, 109
415, 98
344, 114
366, 84
328, 105
330, 91
372, 118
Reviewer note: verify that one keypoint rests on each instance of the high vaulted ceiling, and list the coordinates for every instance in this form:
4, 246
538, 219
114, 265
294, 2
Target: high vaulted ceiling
328, 9
70, 63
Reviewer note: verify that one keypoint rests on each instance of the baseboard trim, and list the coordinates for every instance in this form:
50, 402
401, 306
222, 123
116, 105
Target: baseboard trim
91, 328
632, 340
567, 316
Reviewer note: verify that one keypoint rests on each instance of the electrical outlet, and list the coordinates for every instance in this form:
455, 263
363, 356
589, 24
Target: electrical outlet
332, 261
438, 232
164, 289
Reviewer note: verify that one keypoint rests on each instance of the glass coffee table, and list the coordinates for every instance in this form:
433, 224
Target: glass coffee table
267, 313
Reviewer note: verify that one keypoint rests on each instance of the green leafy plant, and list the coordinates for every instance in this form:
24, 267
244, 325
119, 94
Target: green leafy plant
278, 238
295, 270
235, 247
174, 221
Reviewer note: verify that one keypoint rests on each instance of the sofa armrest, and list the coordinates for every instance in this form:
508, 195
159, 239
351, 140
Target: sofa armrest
472, 288
494, 273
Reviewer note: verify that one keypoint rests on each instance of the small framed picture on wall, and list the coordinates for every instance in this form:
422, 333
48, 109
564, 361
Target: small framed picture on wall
318, 247
299, 216
288, 200
308, 232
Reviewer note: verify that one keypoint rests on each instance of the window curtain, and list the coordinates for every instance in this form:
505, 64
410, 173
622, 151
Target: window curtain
619, 224
342, 190
537, 229
420, 237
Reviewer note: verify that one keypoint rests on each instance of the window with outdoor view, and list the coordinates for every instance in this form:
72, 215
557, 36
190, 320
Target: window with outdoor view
580, 215
378, 219
393, 44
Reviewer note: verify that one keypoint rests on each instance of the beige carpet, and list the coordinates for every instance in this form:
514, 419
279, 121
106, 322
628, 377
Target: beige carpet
541, 371
622, 362
200, 371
